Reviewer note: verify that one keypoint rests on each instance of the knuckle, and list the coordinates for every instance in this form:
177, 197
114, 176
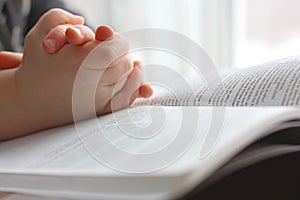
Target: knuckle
29, 36
109, 54
123, 47
124, 43
136, 76
59, 31
123, 67
119, 46
128, 65
117, 72
85, 30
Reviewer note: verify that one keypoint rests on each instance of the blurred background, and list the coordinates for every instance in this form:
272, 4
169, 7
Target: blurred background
235, 33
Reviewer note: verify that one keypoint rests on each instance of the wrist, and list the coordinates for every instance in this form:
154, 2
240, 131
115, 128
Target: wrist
42, 104
29, 102
12, 118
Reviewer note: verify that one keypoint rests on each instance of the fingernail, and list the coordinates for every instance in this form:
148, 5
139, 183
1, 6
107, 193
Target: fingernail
144, 92
137, 64
77, 30
50, 43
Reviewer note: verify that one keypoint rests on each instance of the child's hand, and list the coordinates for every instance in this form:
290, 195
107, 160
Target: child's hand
79, 35
10, 60
45, 81
71, 34
67, 33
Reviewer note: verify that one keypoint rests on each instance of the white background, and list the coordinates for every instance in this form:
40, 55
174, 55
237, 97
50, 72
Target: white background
235, 33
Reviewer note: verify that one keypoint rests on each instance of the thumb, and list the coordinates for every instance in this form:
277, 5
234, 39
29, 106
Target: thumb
104, 33
10, 60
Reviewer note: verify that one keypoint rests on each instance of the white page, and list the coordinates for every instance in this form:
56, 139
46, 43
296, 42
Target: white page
64, 148
34, 155
275, 83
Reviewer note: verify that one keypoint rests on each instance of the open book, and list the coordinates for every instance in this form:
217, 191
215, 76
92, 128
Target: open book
163, 151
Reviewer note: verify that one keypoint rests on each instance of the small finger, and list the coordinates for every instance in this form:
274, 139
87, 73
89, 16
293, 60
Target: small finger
104, 33
137, 63
116, 71
145, 91
126, 96
79, 34
56, 38
10, 60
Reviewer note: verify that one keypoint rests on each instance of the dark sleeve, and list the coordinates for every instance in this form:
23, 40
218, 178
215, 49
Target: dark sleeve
38, 8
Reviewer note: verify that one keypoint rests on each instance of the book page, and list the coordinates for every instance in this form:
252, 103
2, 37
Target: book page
71, 148
60, 162
275, 83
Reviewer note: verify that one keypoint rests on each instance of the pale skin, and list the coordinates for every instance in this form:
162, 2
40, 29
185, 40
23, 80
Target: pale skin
36, 88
